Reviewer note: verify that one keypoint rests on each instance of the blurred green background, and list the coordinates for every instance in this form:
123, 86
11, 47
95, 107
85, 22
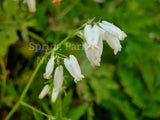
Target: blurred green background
124, 87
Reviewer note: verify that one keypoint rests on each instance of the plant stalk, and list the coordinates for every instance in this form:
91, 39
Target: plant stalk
34, 109
35, 72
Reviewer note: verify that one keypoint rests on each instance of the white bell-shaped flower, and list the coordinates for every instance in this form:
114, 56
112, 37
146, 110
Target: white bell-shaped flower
113, 42
94, 56
112, 35
73, 68
44, 91
113, 30
31, 5
58, 81
49, 68
92, 36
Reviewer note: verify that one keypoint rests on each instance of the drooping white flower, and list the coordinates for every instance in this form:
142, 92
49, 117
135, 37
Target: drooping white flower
31, 5
73, 68
112, 34
44, 91
113, 30
58, 81
92, 36
113, 42
49, 68
94, 55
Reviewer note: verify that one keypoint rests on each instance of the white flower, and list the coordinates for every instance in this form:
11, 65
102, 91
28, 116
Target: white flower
58, 81
94, 56
31, 5
73, 68
112, 35
92, 36
44, 91
113, 42
113, 30
49, 68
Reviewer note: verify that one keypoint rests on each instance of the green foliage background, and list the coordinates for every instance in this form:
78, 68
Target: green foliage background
124, 87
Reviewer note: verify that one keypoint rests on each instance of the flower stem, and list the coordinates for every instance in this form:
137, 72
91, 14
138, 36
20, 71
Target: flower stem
36, 37
60, 107
68, 9
59, 54
69, 36
35, 72
26, 88
34, 109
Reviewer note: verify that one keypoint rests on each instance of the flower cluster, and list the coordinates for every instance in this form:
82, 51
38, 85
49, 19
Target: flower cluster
93, 35
71, 65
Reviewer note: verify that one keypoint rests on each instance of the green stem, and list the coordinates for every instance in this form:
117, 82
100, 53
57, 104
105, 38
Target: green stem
48, 81
68, 8
34, 109
4, 72
69, 36
60, 108
59, 54
26, 88
35, 72
35, 36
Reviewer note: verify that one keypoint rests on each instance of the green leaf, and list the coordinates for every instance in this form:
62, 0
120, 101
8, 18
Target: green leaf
8, 37
125, 108
11, 89
90, 113
77, 112
41, 17
132, 87
11, 7
152, 111
102, 87
65, 102
38, 116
